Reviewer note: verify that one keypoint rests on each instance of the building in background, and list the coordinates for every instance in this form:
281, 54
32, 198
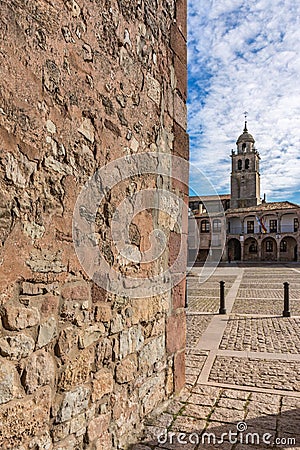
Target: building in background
251, 228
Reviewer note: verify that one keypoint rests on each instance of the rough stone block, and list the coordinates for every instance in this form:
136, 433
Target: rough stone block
102, 384
127, 369
87, 130
176, 332
10, 387
24, 419
90, 335
19, 317
77, 371
152, 352
73, 403
49, 305
17, 346
32, 288
152, 392
47, 332
103, 312
153, 89
131, 341
39, 371
98, 426
76, 291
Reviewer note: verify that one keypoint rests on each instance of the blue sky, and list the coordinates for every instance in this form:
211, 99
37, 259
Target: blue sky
244, 55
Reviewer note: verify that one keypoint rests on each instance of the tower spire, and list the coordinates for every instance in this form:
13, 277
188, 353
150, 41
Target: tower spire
245, 128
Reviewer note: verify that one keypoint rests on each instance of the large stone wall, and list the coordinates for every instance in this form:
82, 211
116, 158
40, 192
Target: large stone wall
83, 83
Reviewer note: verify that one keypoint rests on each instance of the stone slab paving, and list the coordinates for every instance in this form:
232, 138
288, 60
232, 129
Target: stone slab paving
242, 371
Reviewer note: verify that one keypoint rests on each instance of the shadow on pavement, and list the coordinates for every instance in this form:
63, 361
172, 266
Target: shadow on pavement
262, 432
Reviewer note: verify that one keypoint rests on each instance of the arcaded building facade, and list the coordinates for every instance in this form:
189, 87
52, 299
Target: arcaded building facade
250, 229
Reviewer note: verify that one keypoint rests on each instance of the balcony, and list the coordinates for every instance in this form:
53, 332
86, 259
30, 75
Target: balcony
282, 229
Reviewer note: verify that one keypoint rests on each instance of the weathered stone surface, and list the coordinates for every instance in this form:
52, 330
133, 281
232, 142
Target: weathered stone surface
102, 384
98, 427
73, 403
19, 317
152, 352
23, 419
87, 130
103, 312
91, 335
45, 261
99, 82
47, 332
127, 369
77, 371
9, 382
131, 341
16, 346
39, 371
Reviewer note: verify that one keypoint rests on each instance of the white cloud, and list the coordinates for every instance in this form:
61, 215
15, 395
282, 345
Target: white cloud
245, 55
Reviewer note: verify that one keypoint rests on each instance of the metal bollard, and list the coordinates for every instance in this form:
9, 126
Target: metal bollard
286, 307
222, 309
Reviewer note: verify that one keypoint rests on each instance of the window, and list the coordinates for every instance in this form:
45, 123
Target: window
250, 226
283, 246
217, 225
205, 226
247, 164
296, 224
253, 247
244, 147
273, 226
269, 246
240, 164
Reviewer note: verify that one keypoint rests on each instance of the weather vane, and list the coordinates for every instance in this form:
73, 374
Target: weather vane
245, 114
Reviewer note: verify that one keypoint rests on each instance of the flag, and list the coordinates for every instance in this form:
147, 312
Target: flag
261, 224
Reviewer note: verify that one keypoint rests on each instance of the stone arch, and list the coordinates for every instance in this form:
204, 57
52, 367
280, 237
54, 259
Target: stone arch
250, 249
269, 249
288, 249
234, 249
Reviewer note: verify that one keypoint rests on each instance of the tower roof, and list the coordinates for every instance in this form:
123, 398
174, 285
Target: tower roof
245, 137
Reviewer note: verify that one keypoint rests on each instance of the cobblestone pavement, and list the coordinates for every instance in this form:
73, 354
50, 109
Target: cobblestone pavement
263, 373
242, 370
267, 306
195, 325
262, 334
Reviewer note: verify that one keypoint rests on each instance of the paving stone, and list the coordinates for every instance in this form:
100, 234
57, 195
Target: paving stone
197, 411
227, 415
188, 424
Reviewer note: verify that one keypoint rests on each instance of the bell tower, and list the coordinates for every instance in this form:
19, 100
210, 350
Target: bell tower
245, 177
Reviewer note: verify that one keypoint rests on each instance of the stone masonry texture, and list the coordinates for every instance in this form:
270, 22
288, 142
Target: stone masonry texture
84, 82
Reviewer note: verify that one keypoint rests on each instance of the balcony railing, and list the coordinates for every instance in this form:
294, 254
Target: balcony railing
282, 229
